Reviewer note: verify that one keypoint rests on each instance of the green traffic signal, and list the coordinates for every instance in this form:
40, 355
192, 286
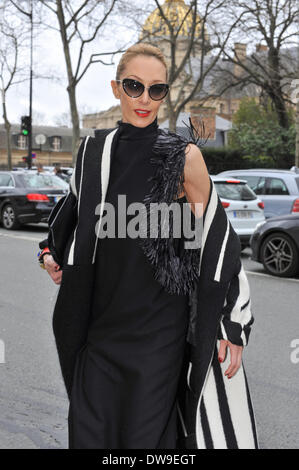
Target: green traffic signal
25, 125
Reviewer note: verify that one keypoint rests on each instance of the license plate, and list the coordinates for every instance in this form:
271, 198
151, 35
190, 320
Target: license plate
243, 214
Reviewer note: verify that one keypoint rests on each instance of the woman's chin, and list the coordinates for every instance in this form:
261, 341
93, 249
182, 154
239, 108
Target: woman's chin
140, 121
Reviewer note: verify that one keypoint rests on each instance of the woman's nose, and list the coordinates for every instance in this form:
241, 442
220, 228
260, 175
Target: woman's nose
145, 97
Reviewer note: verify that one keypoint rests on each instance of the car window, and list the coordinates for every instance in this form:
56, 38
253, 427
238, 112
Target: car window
6, 180
34, 180
297, 181
256, 183
276, 186
235, 191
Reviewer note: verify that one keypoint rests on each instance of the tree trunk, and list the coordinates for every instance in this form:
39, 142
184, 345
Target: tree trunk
8, 144
276, 92
71, 89
75, 121
8, 135
172, 122
172, 117
280, 108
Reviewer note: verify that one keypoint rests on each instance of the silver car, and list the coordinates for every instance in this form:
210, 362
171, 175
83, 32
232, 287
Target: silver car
243, 208
278, 189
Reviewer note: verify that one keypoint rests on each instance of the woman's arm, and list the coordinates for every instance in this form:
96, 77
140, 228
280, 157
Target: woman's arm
196, 179
61, 222
197, 190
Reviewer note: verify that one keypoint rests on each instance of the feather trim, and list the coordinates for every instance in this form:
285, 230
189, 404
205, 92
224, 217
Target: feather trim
176, 271
197, 135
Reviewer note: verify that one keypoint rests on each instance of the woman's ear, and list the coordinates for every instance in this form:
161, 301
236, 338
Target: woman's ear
115, 89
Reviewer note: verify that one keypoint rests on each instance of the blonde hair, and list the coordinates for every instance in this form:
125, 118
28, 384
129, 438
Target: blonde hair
140, 49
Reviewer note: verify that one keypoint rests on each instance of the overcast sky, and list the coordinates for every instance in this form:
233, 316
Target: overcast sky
50, 97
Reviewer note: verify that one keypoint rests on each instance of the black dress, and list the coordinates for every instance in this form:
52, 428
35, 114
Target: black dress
126, 377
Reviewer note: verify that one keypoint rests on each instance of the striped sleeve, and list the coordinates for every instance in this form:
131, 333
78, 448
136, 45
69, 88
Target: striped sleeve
237, 318
63, 210
75, 180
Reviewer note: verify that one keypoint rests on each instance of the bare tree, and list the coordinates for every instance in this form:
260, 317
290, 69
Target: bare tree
39, 118
192, 43
272, 66
12, 37
79, 24
63, 119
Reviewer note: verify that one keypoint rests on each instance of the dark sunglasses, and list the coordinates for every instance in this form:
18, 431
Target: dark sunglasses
134, 89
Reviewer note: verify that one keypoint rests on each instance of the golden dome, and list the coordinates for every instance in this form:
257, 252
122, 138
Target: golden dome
175, 11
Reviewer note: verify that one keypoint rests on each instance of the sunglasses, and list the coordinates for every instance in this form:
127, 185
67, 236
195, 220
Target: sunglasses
134, 89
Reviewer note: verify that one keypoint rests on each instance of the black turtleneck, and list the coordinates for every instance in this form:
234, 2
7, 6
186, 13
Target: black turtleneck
130, 132
130, 162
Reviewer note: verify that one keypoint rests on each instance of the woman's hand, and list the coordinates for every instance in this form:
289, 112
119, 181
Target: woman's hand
235, 357
52, 268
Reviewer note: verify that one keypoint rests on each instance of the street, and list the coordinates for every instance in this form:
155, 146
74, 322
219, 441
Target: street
33, 402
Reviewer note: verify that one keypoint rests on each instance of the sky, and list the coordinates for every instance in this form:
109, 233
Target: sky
50, 97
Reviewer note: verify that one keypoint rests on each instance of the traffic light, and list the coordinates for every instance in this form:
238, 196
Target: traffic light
26, 159
25, 125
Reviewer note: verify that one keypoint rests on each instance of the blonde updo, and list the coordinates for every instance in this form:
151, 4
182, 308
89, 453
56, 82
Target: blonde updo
136, 50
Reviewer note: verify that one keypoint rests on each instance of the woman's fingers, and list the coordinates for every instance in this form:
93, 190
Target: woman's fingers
222, 350
53, 268
235, 359
57, 277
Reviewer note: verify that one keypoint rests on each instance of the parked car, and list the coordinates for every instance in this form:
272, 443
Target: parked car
26, 196
275, 244
244, 209
278, 189
66, 171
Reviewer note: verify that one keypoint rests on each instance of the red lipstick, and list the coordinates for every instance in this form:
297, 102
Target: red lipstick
142, 112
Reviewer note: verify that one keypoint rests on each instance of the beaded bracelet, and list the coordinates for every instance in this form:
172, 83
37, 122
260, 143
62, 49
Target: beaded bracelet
40, 256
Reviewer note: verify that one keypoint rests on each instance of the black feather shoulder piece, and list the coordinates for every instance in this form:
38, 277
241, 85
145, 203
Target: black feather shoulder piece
176, 268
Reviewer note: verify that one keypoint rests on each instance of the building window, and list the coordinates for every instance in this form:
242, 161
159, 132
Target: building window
221, 108
56, 144
22, 142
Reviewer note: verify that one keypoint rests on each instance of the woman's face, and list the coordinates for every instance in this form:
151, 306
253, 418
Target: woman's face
147, 70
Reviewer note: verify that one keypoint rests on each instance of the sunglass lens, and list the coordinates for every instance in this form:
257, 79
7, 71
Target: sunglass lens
159, 91
133, 88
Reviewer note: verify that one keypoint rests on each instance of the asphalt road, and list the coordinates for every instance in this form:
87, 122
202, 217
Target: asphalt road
33, 402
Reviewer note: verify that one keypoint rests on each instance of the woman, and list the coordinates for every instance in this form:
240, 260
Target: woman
127, 338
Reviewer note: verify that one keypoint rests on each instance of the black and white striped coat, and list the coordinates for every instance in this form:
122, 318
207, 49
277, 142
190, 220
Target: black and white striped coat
214, 412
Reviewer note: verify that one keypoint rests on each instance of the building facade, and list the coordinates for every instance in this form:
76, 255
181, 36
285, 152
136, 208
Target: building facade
56, 149
210, 102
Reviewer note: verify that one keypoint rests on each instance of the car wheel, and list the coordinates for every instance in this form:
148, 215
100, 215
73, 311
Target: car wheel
279, 255
8, 218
